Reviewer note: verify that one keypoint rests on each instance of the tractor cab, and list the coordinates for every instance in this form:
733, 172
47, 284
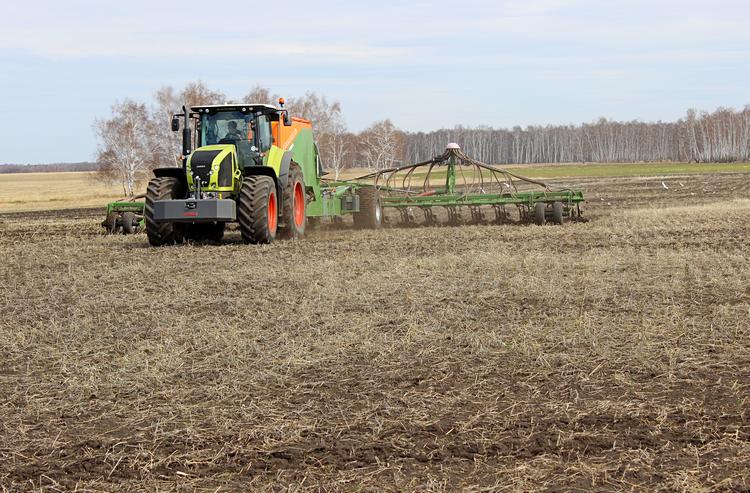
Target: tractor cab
247, 127
229, 139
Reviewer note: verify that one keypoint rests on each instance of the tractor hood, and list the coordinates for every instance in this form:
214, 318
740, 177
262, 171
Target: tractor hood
214, 165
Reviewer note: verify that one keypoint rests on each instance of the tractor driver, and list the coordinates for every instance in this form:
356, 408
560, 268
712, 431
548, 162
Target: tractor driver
233, 133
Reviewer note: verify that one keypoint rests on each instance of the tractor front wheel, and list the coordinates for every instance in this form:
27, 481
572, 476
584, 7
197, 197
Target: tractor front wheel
162, 188
257, 209
293, 214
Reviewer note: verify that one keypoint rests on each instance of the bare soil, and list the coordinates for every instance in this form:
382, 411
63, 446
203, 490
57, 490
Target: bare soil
609, 355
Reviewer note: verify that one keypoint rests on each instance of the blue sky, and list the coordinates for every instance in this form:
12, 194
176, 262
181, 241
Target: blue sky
423, 64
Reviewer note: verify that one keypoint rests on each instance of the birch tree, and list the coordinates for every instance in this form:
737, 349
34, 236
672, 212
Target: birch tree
381, 145
335, 147
127, 145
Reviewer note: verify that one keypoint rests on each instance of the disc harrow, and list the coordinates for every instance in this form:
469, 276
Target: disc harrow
125, 216
468, 191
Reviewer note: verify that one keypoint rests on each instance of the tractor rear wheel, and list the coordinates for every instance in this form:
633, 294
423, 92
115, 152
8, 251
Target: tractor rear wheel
557, 213
162, 188
293, 212
257, 209
128, 228
370, 213
540, 212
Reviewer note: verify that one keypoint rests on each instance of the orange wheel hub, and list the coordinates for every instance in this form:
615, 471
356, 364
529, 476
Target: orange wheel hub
272, 215
299, 205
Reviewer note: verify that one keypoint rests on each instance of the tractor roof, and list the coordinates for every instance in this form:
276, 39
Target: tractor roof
234, 107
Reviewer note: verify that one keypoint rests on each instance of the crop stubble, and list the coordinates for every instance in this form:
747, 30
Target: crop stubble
606, 355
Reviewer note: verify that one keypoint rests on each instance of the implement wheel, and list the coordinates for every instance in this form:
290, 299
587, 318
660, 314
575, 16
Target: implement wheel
128, 228
162, 188
540, 211
558, 214
110, 223
257, 209
293, 217
370, 213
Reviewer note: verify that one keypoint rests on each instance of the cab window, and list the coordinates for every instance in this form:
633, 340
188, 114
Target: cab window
263, 131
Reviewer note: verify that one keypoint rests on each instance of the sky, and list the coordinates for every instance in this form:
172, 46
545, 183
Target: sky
425, 65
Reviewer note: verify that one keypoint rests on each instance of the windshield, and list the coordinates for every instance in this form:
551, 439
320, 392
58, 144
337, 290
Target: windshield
226, 127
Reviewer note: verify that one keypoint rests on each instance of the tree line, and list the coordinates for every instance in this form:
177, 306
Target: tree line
136, 137
722, 136
47, 168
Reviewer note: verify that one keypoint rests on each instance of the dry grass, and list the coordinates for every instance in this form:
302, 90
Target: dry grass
48, 191
610, 355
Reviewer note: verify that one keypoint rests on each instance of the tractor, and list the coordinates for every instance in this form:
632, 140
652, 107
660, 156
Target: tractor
253, 164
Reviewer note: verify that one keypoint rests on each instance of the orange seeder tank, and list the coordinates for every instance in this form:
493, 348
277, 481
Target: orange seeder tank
283, 136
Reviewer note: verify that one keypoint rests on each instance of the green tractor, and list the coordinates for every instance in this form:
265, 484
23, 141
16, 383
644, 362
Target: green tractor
253, 164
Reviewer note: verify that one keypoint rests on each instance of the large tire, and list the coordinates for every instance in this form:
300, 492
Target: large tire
163, 188
540, 213
128, 228
257, 209
370, 213
558, 213
293, 218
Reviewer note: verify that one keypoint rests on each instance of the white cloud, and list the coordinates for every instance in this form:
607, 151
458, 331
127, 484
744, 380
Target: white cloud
389, 32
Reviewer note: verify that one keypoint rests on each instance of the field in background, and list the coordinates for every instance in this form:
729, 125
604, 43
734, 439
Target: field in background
48, 191
602, 356
51, 191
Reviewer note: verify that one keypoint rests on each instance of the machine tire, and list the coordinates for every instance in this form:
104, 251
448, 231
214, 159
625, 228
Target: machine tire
162, 188
257, 209
540, 212
127, 223
110, 223
370, 215
293, 207
558, 213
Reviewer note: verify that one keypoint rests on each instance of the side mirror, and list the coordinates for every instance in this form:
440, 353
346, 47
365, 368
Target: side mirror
175, 123
287, 119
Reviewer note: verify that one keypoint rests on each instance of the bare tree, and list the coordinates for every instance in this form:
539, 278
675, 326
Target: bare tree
261, 95
335, 146
127, 144
317, 109
167, 103
333, 141
381, 145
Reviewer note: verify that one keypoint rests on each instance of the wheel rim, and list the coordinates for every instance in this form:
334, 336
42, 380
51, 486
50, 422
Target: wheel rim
272, 216
299, 205
378, 212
